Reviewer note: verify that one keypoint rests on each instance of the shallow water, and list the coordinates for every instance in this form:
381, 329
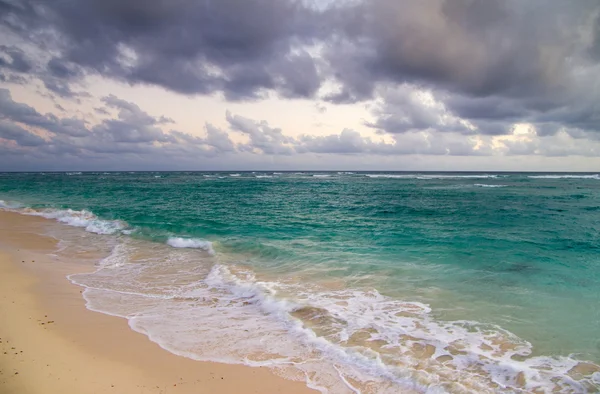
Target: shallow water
354, 282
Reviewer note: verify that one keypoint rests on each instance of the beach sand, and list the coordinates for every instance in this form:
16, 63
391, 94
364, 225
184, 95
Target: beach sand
50, 343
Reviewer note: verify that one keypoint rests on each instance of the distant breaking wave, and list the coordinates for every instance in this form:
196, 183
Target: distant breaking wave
428, 177
594, 176
484, 185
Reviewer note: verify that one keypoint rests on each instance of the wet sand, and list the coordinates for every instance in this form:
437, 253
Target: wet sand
50, 343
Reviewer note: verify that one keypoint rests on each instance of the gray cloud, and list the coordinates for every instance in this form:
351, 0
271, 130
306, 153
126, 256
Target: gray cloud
262, 137
13, 58
240, 48
24, 114
490, 62
22, 137
406, 108
136, 140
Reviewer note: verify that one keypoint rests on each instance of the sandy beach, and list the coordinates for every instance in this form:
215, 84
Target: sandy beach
50, 343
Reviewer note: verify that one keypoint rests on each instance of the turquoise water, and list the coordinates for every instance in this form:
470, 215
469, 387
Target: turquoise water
515, 255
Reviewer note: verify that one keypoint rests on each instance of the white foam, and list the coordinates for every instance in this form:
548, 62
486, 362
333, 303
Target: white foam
192, 243
391, 176
10, 205
595, 176
230, 316
235, 175
482, 176
74, 173
321, 175
492, 186
83, 218
432, 177
264, 176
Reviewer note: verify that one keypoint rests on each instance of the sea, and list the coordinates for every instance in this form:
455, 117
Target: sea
353, 282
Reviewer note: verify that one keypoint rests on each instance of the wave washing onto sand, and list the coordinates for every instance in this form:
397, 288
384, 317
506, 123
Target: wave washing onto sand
92, 224
85, 219
338, 341
10, 205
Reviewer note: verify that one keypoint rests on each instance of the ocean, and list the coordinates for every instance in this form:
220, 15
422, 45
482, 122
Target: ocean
352, 282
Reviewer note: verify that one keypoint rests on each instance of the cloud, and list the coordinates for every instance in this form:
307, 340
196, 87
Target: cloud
22, 137
406, 108
13, 58
486, 64
135, 138
240, 48
26, 115
264, 138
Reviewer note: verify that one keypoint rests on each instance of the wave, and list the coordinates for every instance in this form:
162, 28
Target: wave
10, 205
85, 219
264, 176
483, 176
492, 186
338, 340
321, 176
235, 175
431, 177
391, 176
595, 176
192, 243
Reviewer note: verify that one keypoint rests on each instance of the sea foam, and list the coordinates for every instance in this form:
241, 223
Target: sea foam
491, 186
595, 176
83, 218
192, 243
338, 341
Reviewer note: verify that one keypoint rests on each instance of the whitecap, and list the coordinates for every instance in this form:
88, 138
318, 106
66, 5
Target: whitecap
491, 186
83, 218
595, 176
192, 243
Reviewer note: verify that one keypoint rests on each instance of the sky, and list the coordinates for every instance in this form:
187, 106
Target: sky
414, 85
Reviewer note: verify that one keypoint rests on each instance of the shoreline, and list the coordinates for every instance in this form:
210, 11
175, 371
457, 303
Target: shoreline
51, 343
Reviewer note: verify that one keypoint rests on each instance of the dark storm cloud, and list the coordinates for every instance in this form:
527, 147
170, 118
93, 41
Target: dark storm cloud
14, 59
189, 46
476, 47
488, 63
493, 63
